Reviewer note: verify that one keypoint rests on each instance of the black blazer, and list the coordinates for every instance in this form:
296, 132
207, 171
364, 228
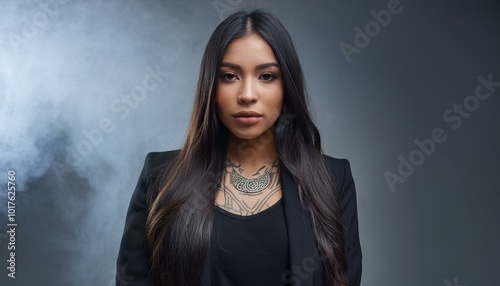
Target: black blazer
305, 263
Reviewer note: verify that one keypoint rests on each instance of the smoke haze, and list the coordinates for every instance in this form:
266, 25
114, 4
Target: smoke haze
88, 88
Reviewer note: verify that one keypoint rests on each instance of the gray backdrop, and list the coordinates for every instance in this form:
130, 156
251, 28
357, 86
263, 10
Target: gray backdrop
411, 100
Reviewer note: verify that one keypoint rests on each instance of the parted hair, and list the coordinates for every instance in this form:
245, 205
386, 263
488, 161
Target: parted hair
181, 212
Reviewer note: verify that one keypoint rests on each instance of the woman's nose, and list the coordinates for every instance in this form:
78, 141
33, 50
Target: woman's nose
247, 92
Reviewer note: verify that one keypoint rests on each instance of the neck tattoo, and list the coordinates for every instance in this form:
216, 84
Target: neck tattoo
250, 185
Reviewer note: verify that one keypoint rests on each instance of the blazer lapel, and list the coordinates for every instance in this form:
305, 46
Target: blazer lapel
300, 233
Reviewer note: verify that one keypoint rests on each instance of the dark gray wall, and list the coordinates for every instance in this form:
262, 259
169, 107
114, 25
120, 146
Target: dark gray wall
70, 67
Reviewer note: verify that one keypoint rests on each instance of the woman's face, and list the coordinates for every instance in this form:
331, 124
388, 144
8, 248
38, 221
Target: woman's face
250, 88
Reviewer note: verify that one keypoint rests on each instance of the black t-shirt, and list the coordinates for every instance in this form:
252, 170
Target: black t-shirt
249, 250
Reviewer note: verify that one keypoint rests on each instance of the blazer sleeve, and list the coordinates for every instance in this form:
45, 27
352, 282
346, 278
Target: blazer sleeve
350, 220
133, 265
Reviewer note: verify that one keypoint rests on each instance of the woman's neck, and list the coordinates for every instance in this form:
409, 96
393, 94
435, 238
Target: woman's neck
253, 153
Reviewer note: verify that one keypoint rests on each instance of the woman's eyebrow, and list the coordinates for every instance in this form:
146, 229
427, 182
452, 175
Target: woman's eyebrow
230, 65
258, 67
267, 65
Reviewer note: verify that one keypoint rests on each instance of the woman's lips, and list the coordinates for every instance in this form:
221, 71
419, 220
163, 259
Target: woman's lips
247, 120
247, 117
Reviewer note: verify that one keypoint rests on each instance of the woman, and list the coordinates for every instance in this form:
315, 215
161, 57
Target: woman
249, 199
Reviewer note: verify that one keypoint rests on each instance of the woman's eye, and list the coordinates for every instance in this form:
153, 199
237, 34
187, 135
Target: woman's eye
228, 76
267, 77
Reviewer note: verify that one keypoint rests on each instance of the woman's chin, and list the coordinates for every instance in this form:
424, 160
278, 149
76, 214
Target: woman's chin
263, 137
246, 136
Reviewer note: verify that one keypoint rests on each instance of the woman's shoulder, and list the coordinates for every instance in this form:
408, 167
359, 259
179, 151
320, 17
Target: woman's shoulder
336, 163
154, 159
339, 168
157, 161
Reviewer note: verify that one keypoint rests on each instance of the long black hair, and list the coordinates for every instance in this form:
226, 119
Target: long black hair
180, 218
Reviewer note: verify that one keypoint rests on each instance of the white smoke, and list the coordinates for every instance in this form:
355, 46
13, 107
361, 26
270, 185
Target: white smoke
87, 88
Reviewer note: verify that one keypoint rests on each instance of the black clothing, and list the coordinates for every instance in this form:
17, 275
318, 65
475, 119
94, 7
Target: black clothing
305, 267
249, 250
